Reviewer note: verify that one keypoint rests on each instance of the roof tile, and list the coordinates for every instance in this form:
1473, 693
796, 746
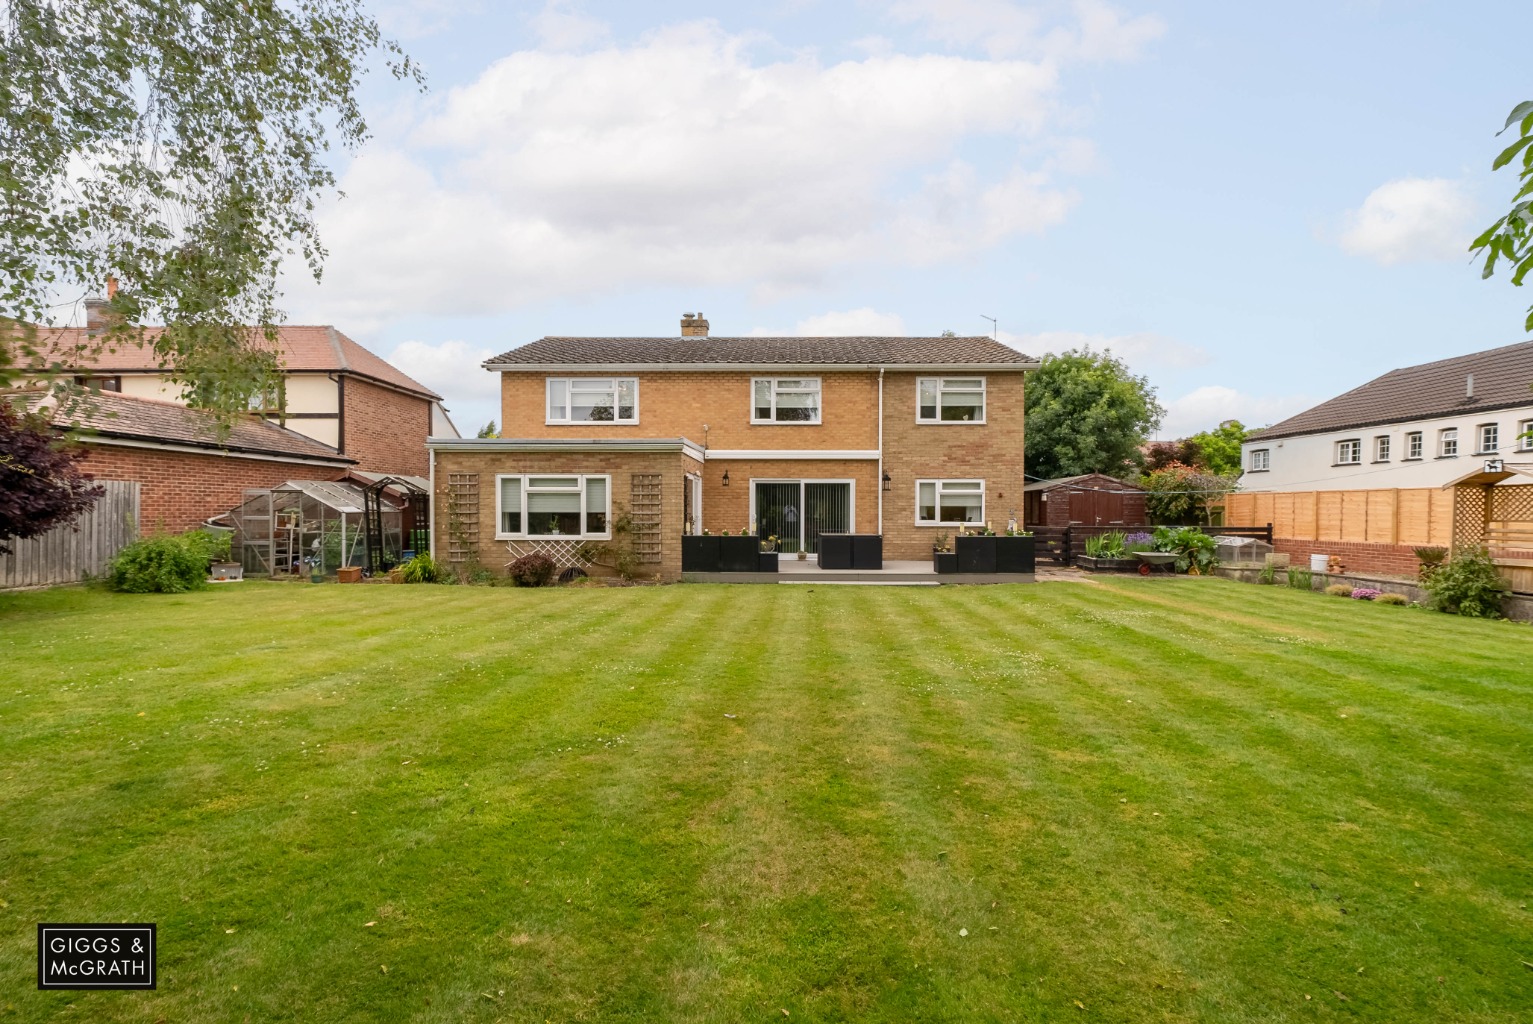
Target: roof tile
861, 351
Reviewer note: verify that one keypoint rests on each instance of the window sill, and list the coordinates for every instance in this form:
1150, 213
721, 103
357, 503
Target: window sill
949, 423
1414, 458
1258, 471
554, 536
950, 526
590, 423
1338, 465
1440, 457
786, 423
1379, 462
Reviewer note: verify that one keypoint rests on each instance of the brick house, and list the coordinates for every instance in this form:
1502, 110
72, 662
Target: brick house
186, 471
334, 391
902, 437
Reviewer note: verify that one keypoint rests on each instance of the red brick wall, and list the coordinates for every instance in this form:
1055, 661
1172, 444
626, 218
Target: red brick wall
1390, 559
179, 490
384, 430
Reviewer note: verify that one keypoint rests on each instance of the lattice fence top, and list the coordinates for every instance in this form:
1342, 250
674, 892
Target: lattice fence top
646, 501
564, 554
1512, 504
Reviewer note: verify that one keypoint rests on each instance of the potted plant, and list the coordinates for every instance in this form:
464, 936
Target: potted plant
316, 569
944, 560
769, 544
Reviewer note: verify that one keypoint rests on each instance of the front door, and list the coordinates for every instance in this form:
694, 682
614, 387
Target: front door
798, 511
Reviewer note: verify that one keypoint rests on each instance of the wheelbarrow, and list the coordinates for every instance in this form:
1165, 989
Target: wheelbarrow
1149, 561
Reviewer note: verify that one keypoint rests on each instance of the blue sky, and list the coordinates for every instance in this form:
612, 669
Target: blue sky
1258, 207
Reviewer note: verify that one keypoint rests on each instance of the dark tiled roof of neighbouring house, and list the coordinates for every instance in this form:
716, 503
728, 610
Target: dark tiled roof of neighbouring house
851, 351
320, 349
1503, 378
146, 419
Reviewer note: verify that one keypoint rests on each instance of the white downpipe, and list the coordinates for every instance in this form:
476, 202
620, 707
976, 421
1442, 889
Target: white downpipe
878, 482
434, 509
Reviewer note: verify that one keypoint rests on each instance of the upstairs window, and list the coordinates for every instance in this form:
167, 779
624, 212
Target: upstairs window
1525, 436
1349, 453
1490, 438
593, 400
552, 506
1261, 460
952, 502
1415, 447
1381, 448
1447, 443
950, 400
785, 400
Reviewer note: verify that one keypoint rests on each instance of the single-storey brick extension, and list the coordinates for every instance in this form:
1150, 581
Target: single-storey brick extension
898, 436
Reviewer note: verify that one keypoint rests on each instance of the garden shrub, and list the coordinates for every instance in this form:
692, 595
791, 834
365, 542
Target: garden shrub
1301, 579
1339, 590
1397, 599
1365, 593
422, 569
159, 565
213, 545
534, 570
1193, 547
1468, 584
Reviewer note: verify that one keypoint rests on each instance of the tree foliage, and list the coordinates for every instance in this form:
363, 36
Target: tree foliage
488, 430
1218, 450
1179, 493
1086, 413
181, 148
1511, 237
41, 485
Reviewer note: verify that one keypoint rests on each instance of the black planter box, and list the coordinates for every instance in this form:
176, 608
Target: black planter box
700, 554
1014, 554
739, 554
975, 554
945, 561
720, 554
766, 561
851, 551
1091, 564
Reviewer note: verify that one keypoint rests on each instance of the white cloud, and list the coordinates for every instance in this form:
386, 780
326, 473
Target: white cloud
1206, 407
1003, 28
560, 25
454, 370
680, 159
1143, 349
862, 322
1411, 219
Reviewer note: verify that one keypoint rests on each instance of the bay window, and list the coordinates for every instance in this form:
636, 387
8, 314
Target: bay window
785, 400
552, 506
950, 400
950, 502
593, 400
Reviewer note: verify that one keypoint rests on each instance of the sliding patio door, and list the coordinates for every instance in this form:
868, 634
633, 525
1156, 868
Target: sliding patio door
798, 511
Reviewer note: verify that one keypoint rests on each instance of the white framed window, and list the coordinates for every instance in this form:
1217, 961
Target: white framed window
1381, 446
785, 400
1490, 438
1447, 443
593, 400
1525, 436
1261, 460
950, 400
1415, 447
1349, 453
553, 506
950, 502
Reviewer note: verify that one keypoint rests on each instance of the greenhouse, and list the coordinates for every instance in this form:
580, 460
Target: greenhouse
304, 527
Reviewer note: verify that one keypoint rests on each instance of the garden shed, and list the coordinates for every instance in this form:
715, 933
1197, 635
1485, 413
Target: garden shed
1091, 499
305, 524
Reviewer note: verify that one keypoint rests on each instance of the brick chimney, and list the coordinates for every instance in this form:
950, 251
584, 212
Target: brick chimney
95, 313
693, 326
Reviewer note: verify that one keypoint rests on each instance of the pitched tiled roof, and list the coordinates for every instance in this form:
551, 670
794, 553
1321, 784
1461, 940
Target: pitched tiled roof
313, 349
860, 351
146, 419
1098, 480
1503, 377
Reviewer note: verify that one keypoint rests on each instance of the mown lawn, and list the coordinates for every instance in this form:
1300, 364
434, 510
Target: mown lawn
1134, 801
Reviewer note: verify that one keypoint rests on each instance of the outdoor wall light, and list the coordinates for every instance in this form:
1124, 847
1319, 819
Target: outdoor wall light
888, 480
726, 478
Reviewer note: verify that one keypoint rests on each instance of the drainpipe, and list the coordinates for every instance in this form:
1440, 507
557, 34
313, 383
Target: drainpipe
435, 511
879, 480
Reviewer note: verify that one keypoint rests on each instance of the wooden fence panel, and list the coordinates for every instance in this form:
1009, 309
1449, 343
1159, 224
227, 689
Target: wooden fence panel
71, 553
1380, 525
1411, 516
1441, 531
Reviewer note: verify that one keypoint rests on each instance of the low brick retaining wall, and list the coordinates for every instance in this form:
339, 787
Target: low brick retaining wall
1517, 606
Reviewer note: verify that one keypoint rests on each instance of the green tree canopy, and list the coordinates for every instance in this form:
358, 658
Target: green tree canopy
1218, 450
1086, 413
1511, 237
179, 147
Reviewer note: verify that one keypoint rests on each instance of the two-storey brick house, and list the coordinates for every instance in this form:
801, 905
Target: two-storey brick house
903, 437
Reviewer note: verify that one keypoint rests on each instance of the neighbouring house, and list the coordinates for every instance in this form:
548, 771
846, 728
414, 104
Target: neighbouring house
1090, 499
1363, 476
186, 470
333, 390
794, 437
